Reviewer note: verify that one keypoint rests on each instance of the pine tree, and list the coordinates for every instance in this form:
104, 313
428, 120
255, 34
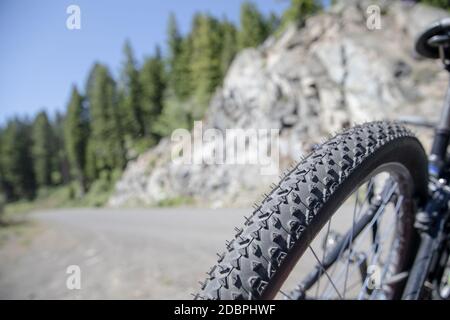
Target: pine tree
3, 193
131, 92
6, 187
92, 173
273, 23
253, 29
183, 73
42, 149
106, 135
89, 87
229, 46
76, 133
299, 10
17, 161
174, 41
206, 59
60, 161
174, 44
179, 58
153, 82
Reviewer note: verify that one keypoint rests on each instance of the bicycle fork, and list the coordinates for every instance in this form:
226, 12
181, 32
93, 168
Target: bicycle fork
431, 224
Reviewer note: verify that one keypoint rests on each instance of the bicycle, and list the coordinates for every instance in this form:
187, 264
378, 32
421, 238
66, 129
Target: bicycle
388, 204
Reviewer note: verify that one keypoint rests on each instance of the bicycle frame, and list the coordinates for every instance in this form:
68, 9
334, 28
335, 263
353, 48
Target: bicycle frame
441, 140
432, 220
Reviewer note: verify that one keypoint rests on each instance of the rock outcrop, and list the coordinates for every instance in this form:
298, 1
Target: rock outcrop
308, 82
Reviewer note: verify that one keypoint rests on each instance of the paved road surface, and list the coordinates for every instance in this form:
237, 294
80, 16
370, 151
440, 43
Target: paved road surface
122, 253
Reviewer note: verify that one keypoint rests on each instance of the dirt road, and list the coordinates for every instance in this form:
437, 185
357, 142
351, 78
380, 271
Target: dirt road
122, 253
141, 253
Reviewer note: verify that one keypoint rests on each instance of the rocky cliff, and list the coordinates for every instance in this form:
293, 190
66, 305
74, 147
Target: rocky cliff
307, 82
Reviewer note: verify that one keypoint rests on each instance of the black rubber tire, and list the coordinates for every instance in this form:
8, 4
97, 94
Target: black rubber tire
263, 253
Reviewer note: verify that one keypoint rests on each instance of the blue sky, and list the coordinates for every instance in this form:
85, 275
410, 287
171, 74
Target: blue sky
40, 58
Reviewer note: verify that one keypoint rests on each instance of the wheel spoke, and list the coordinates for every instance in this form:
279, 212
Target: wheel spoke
325, 272
351, 244
323, 256
286, 295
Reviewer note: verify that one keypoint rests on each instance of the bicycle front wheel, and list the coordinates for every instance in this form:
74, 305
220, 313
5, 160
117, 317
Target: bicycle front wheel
339, 225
